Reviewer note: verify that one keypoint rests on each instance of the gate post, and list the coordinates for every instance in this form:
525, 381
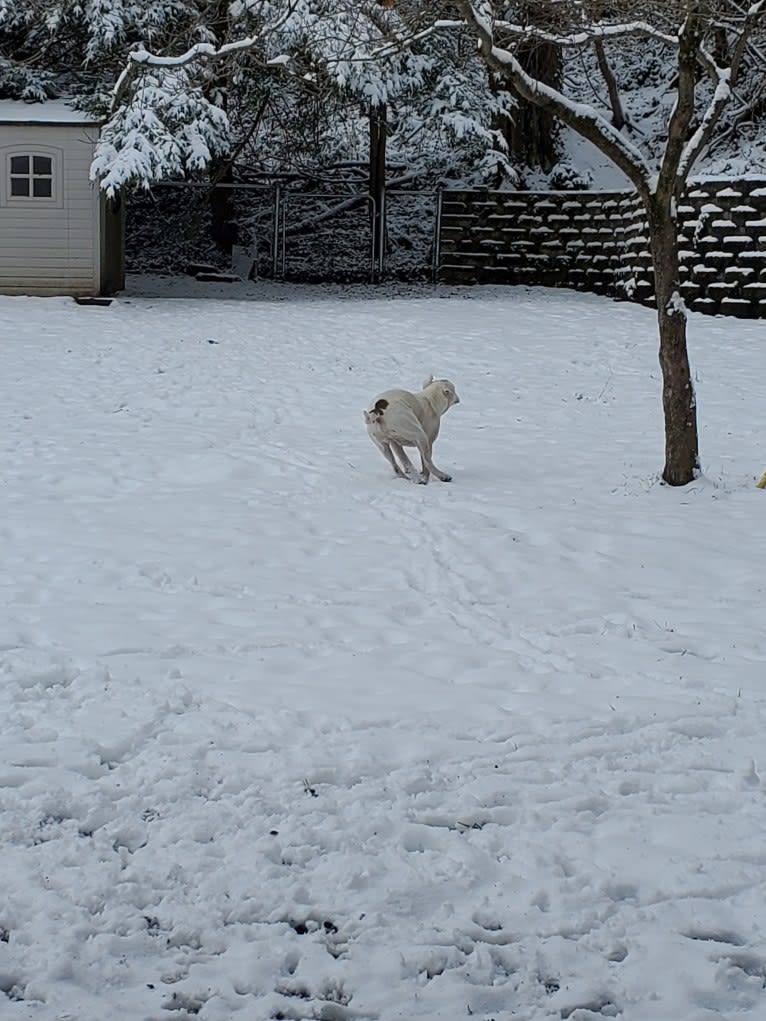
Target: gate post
437, 236
275, 235
378, 135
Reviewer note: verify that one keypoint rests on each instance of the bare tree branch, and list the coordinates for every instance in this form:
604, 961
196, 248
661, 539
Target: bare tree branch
618, 114
587, 34
727, 79
689, 41
600, 33
582, 118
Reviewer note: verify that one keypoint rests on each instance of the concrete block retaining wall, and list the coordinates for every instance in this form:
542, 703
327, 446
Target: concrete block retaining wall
598, 242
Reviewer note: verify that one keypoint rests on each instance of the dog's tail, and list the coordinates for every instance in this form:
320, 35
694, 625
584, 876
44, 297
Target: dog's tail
376, 412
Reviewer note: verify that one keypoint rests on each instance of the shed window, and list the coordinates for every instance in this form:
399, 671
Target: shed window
31, 176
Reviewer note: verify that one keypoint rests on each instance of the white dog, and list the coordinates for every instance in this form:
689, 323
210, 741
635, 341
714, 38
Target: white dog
399, 419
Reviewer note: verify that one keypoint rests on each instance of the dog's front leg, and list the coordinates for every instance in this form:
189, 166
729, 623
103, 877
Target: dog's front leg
424, 459
429, 466
424, 449
441, 476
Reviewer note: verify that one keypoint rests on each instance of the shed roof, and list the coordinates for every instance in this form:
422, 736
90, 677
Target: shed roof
54, 111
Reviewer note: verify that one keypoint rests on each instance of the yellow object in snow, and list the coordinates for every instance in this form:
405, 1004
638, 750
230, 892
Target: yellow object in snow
762, 483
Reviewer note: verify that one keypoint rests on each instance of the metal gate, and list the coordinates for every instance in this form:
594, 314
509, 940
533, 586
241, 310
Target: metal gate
321, 236
275, 231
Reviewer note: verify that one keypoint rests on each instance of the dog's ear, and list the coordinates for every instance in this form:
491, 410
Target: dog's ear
428, 382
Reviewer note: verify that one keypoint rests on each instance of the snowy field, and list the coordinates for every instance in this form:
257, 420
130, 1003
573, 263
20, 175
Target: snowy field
284, 737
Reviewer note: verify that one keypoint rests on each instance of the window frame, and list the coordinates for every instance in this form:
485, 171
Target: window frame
32, 201
30, 175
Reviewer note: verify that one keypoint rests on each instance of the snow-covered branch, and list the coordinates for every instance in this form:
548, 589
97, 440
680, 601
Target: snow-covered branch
727, 78
587, 34
699, 139
140, 57
171, 130
753, 18
599, 33
395, 45
581, 117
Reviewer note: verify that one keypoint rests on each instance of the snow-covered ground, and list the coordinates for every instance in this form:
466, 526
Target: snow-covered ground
283, 737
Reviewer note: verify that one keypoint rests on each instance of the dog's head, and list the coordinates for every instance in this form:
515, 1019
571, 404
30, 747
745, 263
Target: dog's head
444, 390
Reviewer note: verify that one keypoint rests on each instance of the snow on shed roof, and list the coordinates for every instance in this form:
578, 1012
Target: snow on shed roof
54, 111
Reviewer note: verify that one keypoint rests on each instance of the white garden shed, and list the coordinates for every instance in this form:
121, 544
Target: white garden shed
58, 235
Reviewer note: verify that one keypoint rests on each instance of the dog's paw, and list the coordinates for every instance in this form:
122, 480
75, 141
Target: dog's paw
445, 478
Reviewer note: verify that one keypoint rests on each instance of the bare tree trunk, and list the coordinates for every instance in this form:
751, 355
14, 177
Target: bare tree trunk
678, 397
532, 132
618, 114
659, 192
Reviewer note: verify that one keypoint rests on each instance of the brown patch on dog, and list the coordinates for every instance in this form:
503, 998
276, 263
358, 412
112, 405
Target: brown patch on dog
380, 406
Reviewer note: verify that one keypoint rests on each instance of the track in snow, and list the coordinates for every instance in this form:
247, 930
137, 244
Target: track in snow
284, 737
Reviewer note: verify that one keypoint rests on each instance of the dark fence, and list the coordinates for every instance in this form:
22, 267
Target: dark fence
279, 232
585, 240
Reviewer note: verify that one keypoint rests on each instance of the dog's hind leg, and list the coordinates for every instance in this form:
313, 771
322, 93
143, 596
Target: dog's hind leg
385, 450
405, 462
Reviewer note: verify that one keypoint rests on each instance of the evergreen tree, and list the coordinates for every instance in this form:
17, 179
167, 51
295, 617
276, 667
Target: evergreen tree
282, 85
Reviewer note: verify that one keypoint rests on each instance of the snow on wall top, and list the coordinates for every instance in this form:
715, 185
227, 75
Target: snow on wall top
55, 111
